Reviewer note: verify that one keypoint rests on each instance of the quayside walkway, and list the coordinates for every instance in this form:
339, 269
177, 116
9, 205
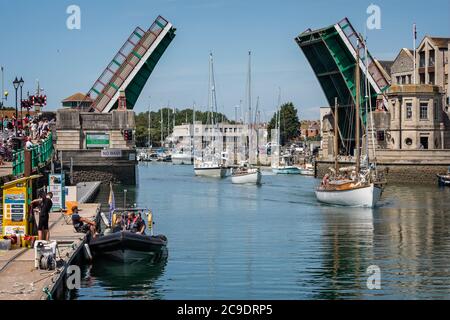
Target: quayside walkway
19, 280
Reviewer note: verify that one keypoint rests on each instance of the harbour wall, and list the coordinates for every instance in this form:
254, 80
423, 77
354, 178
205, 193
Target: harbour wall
395, 172
400, 166
89, 165
97, 146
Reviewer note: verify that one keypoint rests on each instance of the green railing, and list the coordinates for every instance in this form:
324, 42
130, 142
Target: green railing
40, 155
18, 162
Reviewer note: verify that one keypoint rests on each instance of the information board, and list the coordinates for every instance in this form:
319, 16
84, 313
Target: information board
56, 186
97, 140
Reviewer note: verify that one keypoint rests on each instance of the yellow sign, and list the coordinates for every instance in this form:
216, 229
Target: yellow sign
16, 200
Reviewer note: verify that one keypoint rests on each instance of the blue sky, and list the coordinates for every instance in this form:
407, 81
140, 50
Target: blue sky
36, 44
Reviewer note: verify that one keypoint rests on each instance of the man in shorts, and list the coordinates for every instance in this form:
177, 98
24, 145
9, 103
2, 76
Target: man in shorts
45, 206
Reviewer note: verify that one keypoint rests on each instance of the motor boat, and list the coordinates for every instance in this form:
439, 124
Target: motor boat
285, 166
444, 179
127, 246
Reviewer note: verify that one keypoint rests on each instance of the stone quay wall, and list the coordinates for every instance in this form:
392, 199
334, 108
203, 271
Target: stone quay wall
89, 165
396, 173
400, 166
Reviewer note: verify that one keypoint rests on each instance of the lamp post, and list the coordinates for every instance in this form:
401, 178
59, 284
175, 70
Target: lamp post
3, 88
16, 84
21, 113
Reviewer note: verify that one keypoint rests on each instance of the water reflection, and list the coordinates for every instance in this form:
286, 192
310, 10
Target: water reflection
277, 242
122, 280
347, 242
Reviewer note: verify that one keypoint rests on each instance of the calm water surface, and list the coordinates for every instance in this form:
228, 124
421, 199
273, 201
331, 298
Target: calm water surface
276, 242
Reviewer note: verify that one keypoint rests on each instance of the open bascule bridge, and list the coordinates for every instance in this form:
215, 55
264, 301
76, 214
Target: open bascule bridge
95, 135
332, 53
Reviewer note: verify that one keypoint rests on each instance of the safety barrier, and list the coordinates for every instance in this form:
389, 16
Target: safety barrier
40, 155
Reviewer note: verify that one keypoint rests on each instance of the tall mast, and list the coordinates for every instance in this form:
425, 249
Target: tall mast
249, 88
279, 117
168, 118
213, 91
193, 128
366, 96
357, 110
336, 145
173, 118
149, 126
257, 131
249, 102
162, 127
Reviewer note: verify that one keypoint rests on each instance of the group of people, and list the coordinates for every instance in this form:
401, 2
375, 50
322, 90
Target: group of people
29, 129
129, 221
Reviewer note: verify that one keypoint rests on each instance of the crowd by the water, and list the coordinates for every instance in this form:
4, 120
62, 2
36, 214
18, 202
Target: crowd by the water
21, 133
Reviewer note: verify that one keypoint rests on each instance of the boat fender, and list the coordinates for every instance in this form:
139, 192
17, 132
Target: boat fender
87, 252
150, 220
105, 220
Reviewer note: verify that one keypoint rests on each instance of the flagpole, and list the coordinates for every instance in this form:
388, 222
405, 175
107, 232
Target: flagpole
414, 46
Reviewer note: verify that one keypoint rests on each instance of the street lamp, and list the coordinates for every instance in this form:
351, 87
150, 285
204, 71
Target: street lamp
16, 84
21, 85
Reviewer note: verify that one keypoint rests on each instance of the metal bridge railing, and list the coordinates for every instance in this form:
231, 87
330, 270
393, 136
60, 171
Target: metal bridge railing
40, 155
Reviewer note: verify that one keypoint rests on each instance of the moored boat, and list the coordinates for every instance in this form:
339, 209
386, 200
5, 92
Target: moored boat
180, 158
286, 170
128, 246
444, 179
122, 242
306, 170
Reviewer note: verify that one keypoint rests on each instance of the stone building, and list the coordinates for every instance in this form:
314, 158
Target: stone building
414, 119
77, 101
417, 115
432, 65
403, 68
235, 139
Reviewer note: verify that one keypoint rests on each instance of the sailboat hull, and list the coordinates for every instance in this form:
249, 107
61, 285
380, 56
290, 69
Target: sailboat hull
357, 197
286, 170
180, 159
247, 178
212, 172
307, 172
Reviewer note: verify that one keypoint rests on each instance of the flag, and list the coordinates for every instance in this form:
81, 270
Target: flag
415, 31
111, 202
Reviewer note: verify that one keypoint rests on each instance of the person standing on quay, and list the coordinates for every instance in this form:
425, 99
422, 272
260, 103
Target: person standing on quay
45, 205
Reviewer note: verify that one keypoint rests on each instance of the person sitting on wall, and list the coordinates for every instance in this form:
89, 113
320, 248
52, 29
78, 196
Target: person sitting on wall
81, 224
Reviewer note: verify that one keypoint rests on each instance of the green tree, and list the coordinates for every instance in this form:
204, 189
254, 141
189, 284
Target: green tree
289, 124
181, 116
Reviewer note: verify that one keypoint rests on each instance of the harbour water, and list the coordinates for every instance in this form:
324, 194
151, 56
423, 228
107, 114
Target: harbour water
276, 242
